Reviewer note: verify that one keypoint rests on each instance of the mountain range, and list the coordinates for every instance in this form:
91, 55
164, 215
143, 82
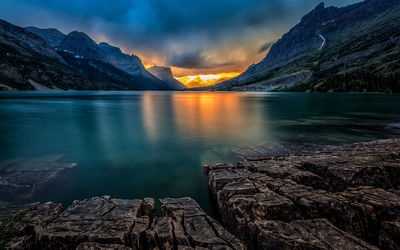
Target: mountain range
34, 58
350, 49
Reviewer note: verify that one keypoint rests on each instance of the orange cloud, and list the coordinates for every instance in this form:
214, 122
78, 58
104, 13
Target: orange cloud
195, 81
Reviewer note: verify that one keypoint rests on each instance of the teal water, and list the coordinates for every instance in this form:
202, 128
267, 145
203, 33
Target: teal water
153, 144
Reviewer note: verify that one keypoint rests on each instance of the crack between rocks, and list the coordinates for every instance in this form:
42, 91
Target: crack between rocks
185, 231
216, 232
175, 241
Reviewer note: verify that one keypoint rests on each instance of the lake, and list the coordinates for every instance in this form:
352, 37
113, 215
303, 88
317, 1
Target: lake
153, 144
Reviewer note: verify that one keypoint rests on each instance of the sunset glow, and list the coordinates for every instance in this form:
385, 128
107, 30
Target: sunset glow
205, 80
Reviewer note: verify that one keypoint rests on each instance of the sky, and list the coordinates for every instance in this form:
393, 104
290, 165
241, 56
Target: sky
194, 37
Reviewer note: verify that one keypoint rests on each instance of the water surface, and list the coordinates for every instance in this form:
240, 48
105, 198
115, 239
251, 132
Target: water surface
153, 144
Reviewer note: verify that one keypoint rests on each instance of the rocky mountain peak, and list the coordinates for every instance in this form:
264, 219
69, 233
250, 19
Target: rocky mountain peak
128, 63
110, 48
81, 45
165, 74
76, 36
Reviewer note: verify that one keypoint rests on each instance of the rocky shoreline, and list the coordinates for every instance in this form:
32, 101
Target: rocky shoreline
342, 197
328, 199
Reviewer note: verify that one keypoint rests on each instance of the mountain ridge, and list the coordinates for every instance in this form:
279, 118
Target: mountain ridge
299, 50
78, 62
52, 36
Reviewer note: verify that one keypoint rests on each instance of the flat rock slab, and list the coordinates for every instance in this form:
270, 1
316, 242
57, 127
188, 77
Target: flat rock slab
354, 187
103, 220
106, 223
304, 234
22, 177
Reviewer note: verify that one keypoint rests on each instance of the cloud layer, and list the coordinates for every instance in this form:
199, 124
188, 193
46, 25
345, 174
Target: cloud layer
196, 37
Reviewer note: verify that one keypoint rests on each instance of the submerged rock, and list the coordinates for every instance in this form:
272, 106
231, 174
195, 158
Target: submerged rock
21, 178
354, 187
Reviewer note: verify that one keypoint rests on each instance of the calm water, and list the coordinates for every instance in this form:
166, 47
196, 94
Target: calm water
153, 144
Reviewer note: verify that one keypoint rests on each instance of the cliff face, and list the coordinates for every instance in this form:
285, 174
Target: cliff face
53, 37
131, 64
165, 74
328, 34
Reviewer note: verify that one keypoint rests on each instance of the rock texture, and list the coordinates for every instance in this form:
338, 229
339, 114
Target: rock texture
330, 198
105, 223
20, 224
304, 234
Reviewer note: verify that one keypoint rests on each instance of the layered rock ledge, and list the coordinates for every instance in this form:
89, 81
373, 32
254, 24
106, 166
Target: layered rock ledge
343, 197
105, 223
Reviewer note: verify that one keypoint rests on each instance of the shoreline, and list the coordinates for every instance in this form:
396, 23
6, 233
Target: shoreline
339, 197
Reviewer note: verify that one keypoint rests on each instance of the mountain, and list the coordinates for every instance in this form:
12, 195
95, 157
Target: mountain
80, 50
14, 36
28, 62
81, 45
53, 37
165, 74
353, 48
26, 58
128, 63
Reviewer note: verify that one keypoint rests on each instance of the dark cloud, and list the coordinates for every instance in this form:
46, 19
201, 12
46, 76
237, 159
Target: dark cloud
195, 60
189, 60
174, 31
